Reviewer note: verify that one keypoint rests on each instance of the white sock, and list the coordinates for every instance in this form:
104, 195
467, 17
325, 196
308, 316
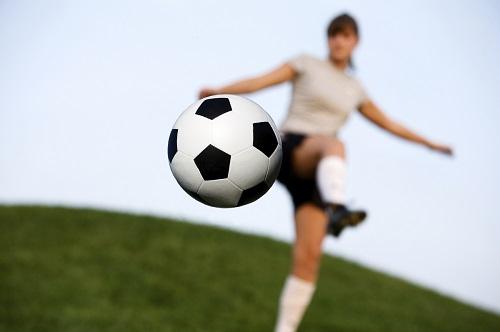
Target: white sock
294, 300
330, 178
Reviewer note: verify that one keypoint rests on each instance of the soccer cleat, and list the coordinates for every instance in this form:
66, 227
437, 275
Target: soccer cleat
339, 217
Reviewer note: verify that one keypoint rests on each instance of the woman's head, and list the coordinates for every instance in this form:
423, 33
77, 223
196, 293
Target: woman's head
343, 36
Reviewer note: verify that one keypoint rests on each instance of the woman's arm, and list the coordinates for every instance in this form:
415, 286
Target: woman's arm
279, 75
370, 111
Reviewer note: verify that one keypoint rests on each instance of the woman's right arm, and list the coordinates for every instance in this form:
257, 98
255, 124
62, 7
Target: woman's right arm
283, 73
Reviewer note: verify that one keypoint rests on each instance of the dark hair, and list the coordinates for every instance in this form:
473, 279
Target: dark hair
340, 24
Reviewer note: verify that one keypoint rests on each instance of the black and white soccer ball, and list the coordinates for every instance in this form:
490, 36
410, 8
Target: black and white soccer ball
225, 151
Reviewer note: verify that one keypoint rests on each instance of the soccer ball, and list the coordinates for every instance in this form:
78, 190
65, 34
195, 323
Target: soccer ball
225, 151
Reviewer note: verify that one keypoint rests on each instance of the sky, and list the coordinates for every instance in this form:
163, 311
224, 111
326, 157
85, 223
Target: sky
89, 91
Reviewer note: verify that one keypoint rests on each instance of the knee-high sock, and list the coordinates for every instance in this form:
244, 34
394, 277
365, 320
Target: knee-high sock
294, 300
331, 175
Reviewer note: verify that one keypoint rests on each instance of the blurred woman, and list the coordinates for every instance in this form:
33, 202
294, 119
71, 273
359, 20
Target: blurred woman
314, 168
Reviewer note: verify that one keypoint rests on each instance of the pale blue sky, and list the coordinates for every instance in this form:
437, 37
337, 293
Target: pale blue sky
89, 91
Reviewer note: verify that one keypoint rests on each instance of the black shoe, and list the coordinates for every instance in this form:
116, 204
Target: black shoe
339, 217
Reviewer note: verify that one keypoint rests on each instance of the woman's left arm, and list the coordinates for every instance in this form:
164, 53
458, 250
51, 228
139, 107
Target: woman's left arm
370, 111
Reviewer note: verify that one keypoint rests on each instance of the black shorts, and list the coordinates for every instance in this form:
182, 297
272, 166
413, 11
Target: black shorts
301, 190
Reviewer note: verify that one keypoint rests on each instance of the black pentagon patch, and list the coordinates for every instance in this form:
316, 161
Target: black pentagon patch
172, 144
213, 163
252, 194
212, 108
264, 138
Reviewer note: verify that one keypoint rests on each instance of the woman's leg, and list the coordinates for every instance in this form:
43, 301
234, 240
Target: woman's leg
310, 229
323, 158
310, 226
307, 155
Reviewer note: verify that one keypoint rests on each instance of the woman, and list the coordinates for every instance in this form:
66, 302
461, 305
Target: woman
314, 168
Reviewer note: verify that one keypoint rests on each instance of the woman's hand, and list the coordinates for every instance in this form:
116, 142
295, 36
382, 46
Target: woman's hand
447, 150
206, 92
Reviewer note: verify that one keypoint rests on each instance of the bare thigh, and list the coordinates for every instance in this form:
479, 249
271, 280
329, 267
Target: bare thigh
310, 230
306, 156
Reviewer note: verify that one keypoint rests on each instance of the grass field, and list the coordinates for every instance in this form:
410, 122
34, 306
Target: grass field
85, 270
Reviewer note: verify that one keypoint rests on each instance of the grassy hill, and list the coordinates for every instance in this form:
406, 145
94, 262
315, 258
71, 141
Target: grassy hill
85, 270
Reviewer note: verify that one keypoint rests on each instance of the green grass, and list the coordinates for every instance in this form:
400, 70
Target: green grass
85, 270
